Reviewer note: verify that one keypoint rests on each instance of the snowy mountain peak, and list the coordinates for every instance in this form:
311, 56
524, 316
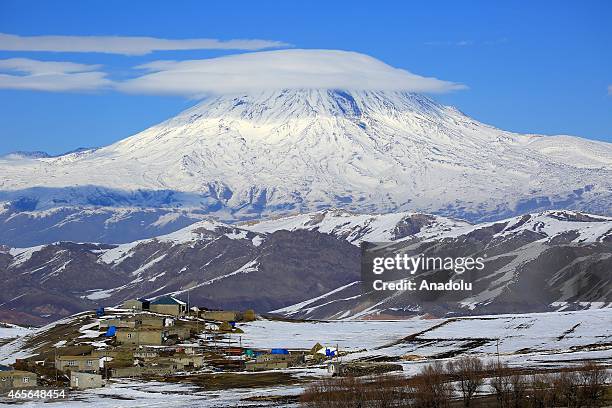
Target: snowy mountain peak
263, 153
293, 104
284, 115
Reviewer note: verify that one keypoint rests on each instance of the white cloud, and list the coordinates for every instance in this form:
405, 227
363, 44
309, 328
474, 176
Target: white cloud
329, 69
610, 90
125, 45
52, 76
38, 67
461, 43
285, 69
466, 43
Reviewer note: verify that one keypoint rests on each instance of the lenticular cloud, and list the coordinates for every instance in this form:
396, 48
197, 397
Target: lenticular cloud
283, 69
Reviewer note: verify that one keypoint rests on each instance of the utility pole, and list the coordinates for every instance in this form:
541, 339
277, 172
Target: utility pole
498, 361
55, 362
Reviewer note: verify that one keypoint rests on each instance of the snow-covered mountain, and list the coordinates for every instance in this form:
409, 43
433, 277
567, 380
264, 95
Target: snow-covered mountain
309, 266
218, 264
357, 228
113, 225
554, 260
252, 155
575, 226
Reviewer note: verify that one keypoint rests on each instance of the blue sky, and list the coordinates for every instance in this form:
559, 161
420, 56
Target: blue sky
532, 67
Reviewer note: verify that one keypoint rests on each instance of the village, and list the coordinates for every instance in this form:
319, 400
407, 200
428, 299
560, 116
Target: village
175, 349
154, 339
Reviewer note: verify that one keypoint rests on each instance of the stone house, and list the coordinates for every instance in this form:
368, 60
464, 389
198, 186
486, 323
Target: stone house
118, 323
137, 371
140, 336
271, 361
220, 315
84, 381
136, 304
168, 305
107, 353
146, 354
266, 365
90, 364
145, 320
177, 362
12, 379
266, 357
181, 332
190, 348
188, 360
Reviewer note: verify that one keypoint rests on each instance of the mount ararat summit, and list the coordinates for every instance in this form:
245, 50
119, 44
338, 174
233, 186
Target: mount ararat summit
246, 156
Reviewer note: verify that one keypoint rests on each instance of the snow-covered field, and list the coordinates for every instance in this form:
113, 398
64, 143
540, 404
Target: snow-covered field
11, 331
545, 339
349, 335
134, 394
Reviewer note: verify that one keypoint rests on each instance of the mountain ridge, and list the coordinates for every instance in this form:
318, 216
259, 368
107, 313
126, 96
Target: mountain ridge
312, 260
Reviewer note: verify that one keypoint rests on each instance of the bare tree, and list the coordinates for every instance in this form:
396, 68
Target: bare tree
385, 391
592, 379
565, 389
518, 393
389, 391
542, 390
432, 389
334, 393
500, 382
468, 372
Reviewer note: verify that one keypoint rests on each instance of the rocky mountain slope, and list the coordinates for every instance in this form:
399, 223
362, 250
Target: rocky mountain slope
554, 260
220, 266
309, 266
245, 156
20, 227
